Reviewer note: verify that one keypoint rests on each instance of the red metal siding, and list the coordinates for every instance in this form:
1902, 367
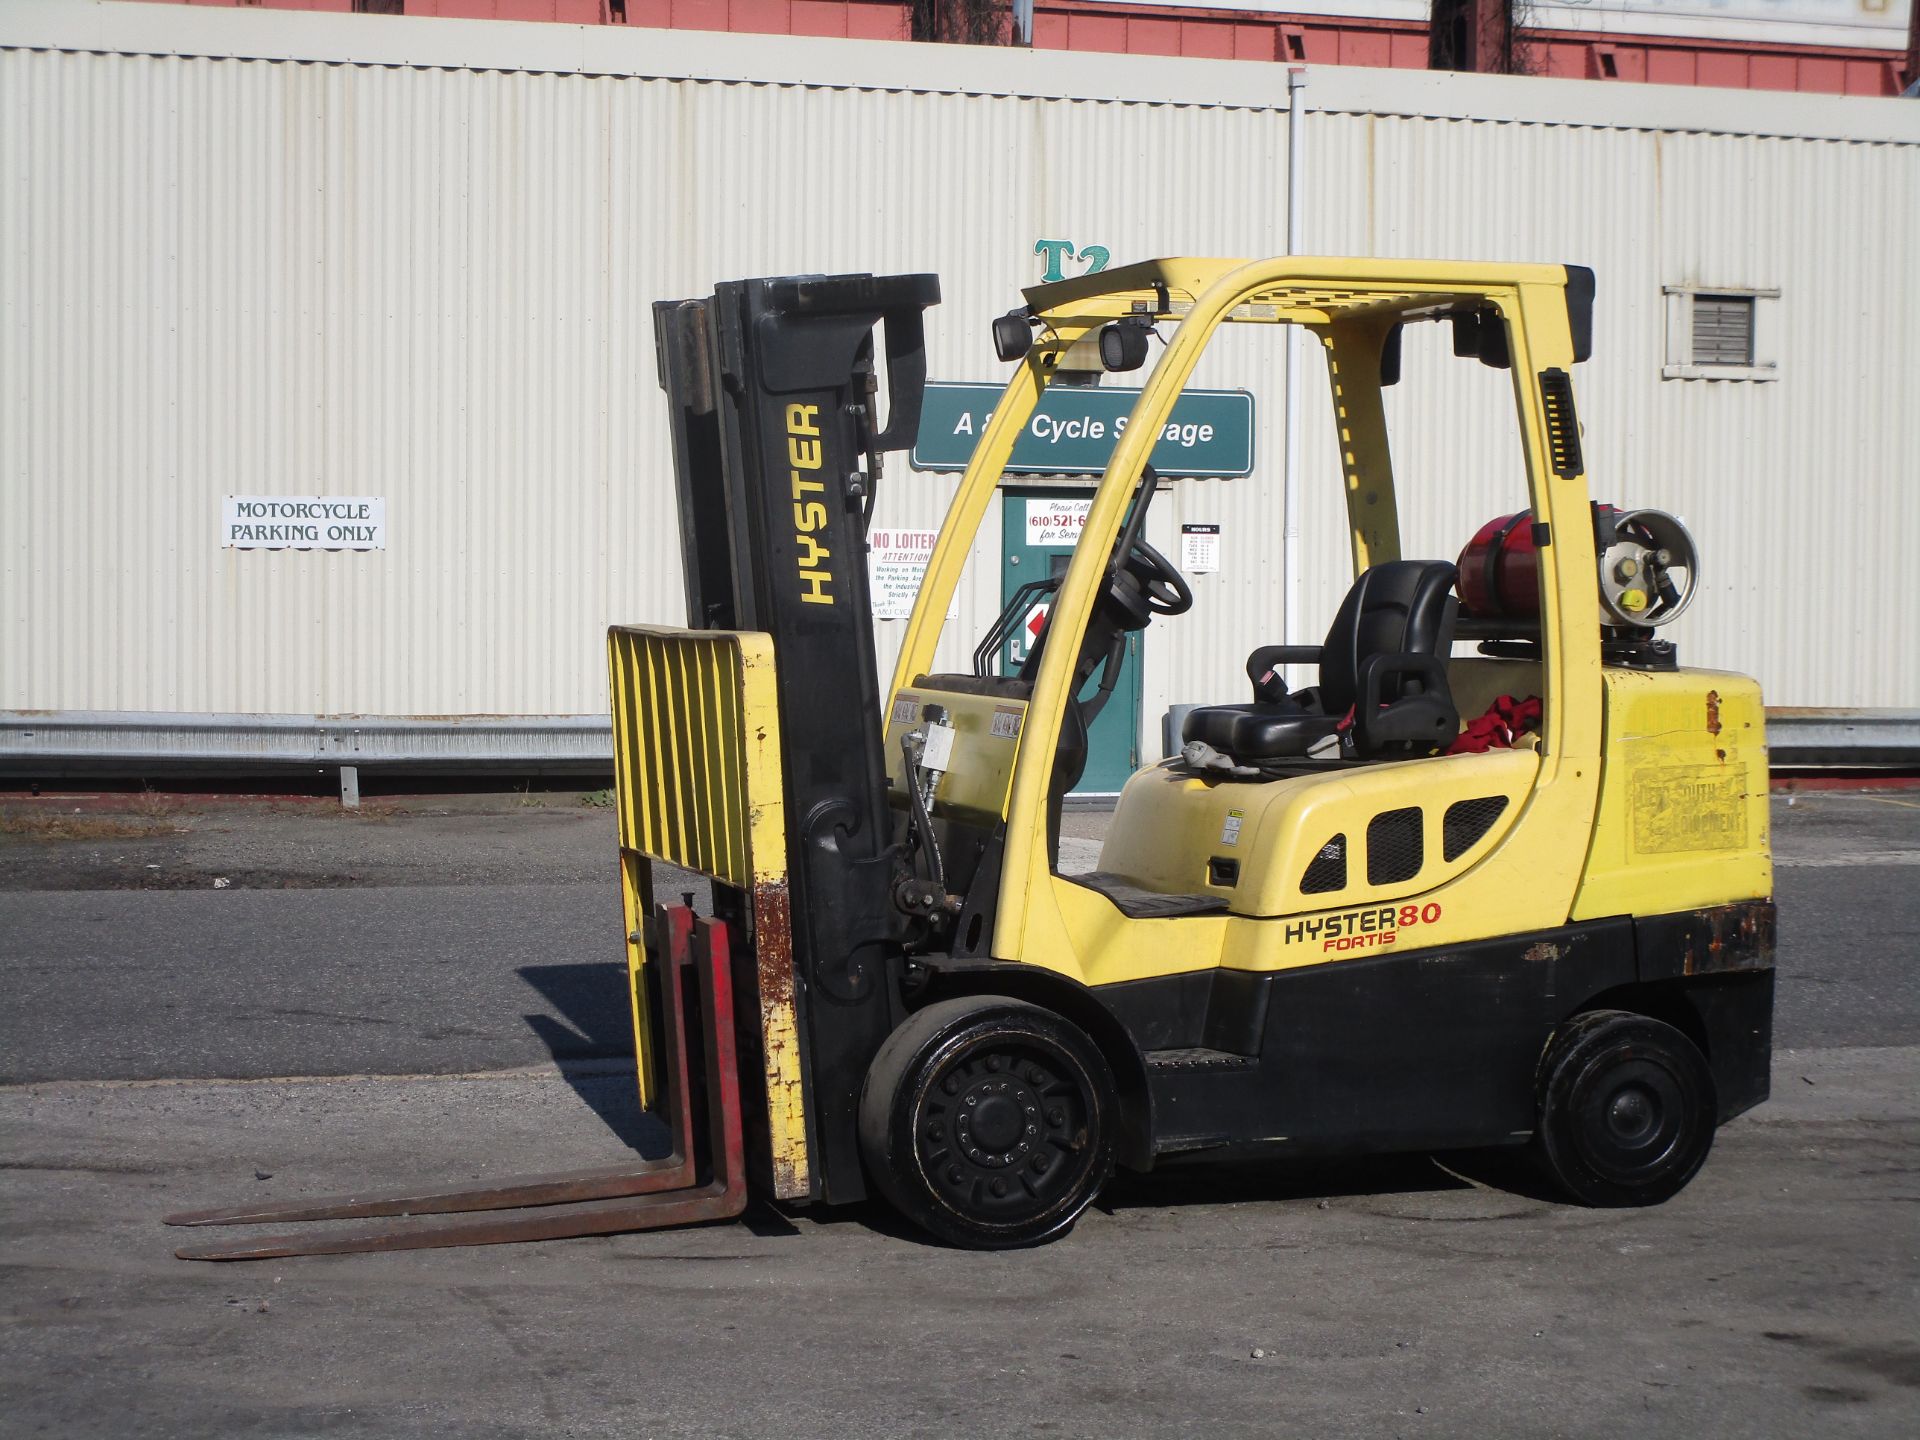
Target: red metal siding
1254, 42
570, 12
1118, 27
1207, 42
764, 17
706, 15
1773, 72
1107, 33
878, 22
1115, 26
1684, 62
1869, 77
1718, 67
1670, 67
1362, 47
1154, 37
820, 17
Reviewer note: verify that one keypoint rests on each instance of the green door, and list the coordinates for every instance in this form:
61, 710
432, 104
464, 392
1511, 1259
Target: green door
1039, 529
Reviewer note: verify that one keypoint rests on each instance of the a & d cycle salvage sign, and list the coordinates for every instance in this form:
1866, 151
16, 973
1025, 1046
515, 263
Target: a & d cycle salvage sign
1074, 429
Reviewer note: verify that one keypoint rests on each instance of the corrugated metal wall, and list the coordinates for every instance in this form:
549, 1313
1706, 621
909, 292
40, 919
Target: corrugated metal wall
426, 276
1796, 489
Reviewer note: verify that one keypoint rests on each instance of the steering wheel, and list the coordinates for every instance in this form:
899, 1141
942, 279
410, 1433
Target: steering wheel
1141, 582
1164, 589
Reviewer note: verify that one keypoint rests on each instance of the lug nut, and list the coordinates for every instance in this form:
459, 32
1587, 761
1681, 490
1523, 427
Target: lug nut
954, 1176
1042, 1161
999, 1187
951, 1084
993, 1062
1056, 1117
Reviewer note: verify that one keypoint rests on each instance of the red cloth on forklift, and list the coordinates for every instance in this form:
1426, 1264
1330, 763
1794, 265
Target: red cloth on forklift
1503, 723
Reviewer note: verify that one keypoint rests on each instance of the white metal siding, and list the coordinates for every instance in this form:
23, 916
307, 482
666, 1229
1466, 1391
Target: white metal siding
1797, 489
428, 277
243, 277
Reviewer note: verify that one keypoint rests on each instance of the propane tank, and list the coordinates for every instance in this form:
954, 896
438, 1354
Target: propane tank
1500, 570
1648, 568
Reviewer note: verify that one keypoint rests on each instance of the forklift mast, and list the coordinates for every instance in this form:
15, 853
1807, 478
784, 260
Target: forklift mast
777, 446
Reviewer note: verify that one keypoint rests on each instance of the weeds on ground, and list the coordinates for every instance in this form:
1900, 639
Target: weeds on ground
151, 806
31, 825
598, 799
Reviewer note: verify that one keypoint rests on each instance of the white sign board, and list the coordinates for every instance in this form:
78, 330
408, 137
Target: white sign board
304, 522
1199, 549
1056, 522
896, 563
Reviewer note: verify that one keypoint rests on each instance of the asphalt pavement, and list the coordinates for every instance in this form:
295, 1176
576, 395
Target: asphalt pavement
168, 1042
454, 937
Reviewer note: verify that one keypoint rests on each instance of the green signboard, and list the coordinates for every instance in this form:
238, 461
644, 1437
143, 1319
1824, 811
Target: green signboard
1075, 427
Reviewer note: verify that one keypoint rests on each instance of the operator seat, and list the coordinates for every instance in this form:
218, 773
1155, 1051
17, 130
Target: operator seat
1384, 660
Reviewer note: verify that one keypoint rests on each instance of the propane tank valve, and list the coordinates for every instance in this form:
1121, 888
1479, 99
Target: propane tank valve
1649, 567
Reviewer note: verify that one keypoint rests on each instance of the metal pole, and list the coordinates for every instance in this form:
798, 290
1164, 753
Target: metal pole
1290, 468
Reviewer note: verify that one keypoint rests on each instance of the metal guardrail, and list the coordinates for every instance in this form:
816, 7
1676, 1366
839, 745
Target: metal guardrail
57, 744
1799, 736
64, 744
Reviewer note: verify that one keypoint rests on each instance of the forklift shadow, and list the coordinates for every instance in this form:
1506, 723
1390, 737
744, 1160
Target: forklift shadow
1242, 1182
1238, 1182
595, 1024
1223, 1182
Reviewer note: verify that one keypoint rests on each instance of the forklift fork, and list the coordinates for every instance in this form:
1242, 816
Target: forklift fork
703, 1179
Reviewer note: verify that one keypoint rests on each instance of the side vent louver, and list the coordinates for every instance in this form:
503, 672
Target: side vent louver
1395, 846
1466, 821
1328, 871
1563, 426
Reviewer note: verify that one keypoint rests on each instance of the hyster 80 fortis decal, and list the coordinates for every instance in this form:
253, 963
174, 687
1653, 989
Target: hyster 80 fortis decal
1372, 928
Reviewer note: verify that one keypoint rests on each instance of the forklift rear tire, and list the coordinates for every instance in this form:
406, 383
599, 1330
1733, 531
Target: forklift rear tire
989, 1122
1627, 1109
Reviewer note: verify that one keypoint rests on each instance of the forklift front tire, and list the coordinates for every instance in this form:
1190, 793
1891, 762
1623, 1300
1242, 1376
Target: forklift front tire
989, 1122
1627, 1109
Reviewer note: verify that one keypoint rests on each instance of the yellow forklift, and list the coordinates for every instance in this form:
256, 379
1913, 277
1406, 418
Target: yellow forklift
1498, 877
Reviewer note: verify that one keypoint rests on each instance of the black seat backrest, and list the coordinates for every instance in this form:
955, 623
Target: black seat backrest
1402, 606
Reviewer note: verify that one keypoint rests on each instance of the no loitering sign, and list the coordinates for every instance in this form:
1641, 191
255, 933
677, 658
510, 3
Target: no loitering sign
304, 522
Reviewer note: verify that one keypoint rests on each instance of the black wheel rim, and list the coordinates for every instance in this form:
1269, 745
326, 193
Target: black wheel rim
1633, 1118
1003, 1130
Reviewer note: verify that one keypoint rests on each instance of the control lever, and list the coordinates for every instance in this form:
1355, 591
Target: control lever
928, 752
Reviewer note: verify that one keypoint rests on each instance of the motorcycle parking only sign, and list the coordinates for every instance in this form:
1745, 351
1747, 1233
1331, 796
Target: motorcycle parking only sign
304, 522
